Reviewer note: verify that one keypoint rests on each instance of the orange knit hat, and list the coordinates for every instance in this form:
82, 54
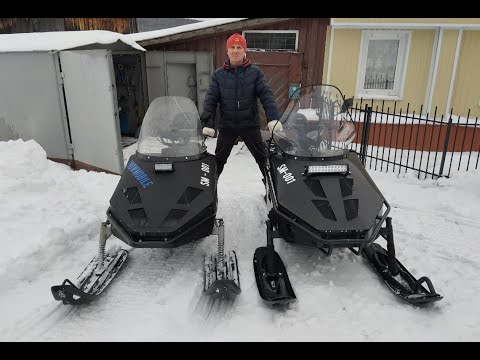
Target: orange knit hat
237, 39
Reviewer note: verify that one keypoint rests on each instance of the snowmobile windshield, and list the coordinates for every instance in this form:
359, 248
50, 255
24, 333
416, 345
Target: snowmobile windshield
171, 128
316, 123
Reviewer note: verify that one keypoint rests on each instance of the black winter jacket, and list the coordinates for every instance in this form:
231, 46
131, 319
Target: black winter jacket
236, 90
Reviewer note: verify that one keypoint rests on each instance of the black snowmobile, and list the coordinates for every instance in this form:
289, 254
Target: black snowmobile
166, 197
319, 194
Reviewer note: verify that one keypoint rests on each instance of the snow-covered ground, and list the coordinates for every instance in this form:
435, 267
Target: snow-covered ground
49, 225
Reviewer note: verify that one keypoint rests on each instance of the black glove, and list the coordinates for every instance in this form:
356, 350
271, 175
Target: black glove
205, 117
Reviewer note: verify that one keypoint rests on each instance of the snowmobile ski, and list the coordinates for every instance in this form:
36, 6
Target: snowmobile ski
91, 282
270, 274
95, 277
403, 284
222, 279
221, 275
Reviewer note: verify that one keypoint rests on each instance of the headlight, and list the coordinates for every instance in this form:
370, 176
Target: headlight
164, 167
326, 169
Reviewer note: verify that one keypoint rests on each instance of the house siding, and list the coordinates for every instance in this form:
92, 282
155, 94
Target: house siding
281, 68
467, 82
120, 25
311, 42
409, 20
444, 72
26, 25
344, 66
344, 63
465, 96
418, 70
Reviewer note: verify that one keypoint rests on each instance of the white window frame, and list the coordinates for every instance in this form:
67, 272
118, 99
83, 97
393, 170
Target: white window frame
273, 31
396, 93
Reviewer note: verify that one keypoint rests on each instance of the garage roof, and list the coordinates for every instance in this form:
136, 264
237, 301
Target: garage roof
203, 28
66, 40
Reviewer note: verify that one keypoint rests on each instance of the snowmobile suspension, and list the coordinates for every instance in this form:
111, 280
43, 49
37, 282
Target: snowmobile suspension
270, 263
387, 234
221, 244
221, 273
105, 233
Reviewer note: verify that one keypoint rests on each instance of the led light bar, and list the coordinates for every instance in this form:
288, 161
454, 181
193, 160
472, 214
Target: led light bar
326, 169
164, 167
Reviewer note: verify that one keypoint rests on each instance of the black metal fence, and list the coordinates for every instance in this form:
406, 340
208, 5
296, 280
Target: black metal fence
432, 146
378, 82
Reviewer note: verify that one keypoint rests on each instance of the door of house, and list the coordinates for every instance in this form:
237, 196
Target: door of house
92, 110
281, 70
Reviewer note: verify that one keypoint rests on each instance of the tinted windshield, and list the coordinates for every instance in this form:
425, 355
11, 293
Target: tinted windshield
315, 124
171, 128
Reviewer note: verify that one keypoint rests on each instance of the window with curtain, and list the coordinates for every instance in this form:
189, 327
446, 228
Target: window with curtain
382, 64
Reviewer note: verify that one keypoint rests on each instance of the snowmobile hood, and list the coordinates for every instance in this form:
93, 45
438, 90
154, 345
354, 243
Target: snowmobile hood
159, 204
327, 202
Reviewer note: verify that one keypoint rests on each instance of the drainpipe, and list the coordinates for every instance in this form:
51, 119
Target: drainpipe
454, 71
432, 77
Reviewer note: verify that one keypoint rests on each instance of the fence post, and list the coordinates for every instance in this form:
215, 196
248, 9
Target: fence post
445, 146
362, 140
365, 133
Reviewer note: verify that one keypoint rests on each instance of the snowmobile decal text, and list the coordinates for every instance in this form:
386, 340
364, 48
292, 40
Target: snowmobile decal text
287, 176
139, 174
206, 170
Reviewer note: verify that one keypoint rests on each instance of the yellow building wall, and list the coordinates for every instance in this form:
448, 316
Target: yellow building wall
444, 71
466, 91
344, 62
409, 20
344, 67
418, 69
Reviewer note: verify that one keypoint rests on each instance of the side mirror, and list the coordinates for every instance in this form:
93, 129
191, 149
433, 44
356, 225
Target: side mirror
347, 104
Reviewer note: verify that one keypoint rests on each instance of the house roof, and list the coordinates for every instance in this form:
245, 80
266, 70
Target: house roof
208, 27
153, 24
66, 40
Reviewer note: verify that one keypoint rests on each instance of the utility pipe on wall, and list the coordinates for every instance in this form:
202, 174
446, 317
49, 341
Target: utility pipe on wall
454, 71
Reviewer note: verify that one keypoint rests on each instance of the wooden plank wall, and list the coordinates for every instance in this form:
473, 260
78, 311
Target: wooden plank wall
120, 25
305, 67
312, 37
27, 25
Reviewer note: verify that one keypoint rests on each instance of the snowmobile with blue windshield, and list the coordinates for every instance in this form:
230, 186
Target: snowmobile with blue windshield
319, 194
166, 197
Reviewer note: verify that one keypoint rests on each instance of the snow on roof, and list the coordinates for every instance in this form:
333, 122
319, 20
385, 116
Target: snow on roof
147, 35
61, 40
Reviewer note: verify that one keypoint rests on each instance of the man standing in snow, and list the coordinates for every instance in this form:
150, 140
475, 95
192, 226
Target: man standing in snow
236, 87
